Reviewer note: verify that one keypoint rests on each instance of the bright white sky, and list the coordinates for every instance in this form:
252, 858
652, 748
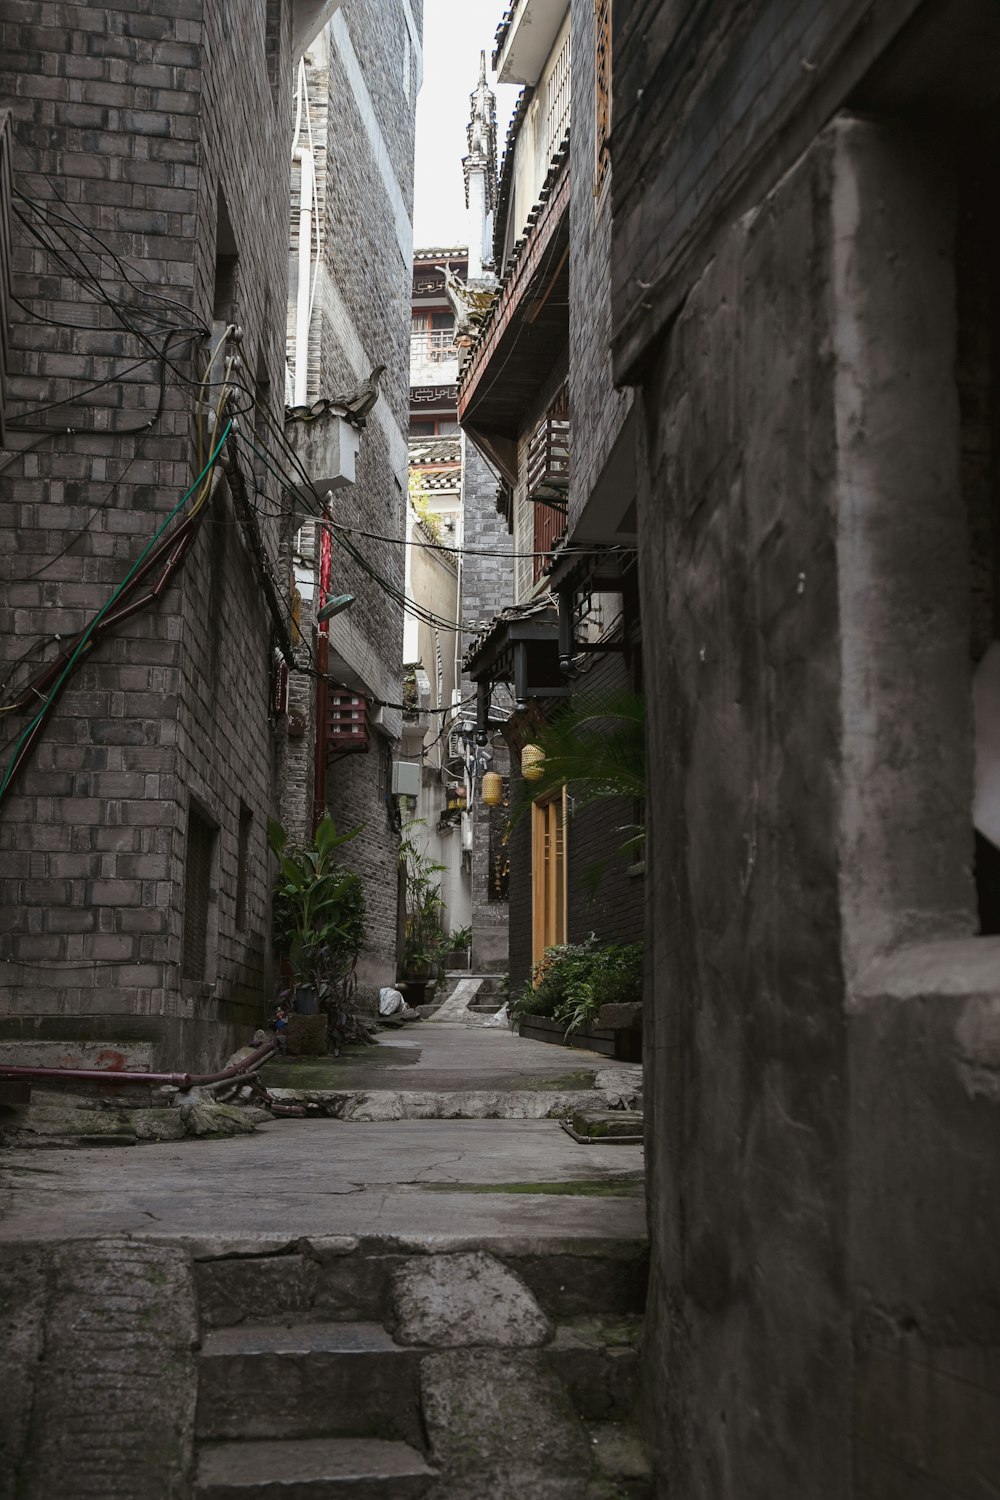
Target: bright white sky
455, 32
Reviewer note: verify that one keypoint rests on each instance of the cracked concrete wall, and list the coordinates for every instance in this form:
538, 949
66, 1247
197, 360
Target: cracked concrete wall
822, 1126
99, 1379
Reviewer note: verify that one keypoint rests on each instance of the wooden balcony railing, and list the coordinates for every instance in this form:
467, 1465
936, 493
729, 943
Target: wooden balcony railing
548, 460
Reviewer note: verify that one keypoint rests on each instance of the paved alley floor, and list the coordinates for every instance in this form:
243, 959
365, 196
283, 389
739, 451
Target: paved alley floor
432, 1181
448, 1055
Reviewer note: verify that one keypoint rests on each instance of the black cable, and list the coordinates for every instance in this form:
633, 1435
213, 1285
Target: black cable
465, 551
81, 227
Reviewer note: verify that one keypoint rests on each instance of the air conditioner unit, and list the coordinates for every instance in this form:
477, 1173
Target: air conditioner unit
405, 778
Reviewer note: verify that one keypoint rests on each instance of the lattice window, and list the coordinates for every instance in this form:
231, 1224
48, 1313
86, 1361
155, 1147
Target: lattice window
548, 478
602, 134
346, 721
558, 101
197, 894
524, 544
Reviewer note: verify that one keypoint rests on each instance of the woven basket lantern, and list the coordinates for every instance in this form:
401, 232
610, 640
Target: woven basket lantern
532, 762
492, 789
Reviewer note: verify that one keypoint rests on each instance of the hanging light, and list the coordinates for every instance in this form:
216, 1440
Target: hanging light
532, 762
493, 789
334, 605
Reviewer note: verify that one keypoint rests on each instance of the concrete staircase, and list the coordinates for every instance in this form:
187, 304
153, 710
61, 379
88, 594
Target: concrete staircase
371, 1371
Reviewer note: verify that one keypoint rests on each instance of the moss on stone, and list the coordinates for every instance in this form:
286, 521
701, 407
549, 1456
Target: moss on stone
596, 1187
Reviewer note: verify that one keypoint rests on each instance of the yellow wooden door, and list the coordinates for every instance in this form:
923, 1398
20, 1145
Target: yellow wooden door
548, 874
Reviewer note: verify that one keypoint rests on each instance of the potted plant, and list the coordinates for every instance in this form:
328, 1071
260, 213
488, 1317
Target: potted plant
318, 924
425, 941
459, 951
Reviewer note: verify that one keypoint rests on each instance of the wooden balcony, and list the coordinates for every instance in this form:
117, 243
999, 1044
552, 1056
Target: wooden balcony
548, 461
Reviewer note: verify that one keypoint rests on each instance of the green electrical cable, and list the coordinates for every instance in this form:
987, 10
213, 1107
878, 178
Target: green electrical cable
85, 639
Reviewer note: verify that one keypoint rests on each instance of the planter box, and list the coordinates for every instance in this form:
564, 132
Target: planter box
544, 1029
622, 1045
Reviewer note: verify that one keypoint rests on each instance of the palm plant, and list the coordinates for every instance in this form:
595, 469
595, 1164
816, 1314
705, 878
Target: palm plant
318, 920
596, 748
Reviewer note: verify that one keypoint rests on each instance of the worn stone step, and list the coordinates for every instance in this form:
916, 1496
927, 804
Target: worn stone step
621, 1458
312, 1469
323, 1284
325, 1281
312, 1380
597, 1360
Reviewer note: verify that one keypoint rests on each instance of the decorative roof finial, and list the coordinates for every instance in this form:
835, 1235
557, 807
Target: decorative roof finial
481, 133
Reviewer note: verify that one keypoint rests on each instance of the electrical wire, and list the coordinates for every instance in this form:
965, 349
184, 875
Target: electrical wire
391, 590
464, 551
203, 480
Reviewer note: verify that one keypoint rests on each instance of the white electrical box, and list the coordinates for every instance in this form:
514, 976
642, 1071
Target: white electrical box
405, 778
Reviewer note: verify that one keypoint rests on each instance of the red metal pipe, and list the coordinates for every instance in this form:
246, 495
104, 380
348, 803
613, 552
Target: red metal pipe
114, 1075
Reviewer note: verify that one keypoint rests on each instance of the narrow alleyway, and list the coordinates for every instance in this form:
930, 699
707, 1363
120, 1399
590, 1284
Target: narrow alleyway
398, 1302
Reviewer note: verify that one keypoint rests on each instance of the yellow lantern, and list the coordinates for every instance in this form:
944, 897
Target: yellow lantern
492, 789
532, 762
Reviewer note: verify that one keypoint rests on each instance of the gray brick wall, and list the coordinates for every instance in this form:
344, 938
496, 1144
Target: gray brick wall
487, 581
362, 319
138, 119
598, 410
487, 588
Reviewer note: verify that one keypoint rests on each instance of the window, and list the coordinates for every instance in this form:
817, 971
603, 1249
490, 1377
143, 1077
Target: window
243, 866
557, 102
199, 853
602, 67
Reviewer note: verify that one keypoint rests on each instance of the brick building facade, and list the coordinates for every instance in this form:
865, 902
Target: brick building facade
361, 79
537, 396
151, 208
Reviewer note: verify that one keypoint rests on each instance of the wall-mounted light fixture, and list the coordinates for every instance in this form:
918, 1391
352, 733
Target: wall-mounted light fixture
333, 606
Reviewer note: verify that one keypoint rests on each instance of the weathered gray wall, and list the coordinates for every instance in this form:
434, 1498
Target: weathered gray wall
713, 101
598, 409
100, 1381
822, 1125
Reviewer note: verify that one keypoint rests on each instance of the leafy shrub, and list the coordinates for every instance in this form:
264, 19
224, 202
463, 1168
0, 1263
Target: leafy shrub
572, 981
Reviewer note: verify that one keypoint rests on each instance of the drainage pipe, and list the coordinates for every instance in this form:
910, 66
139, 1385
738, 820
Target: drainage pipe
114, 1075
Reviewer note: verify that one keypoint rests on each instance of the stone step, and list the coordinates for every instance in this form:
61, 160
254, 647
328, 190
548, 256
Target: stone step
55, 1117
326, 1281
597, 1360
621, 1457
310, 1380
311, 1469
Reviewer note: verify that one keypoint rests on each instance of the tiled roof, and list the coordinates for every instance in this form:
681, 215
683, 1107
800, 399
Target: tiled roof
454, 251
502, 31
524, 98
436, 450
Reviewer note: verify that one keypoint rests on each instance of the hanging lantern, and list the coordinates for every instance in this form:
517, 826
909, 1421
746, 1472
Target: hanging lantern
492, 789
532, 762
